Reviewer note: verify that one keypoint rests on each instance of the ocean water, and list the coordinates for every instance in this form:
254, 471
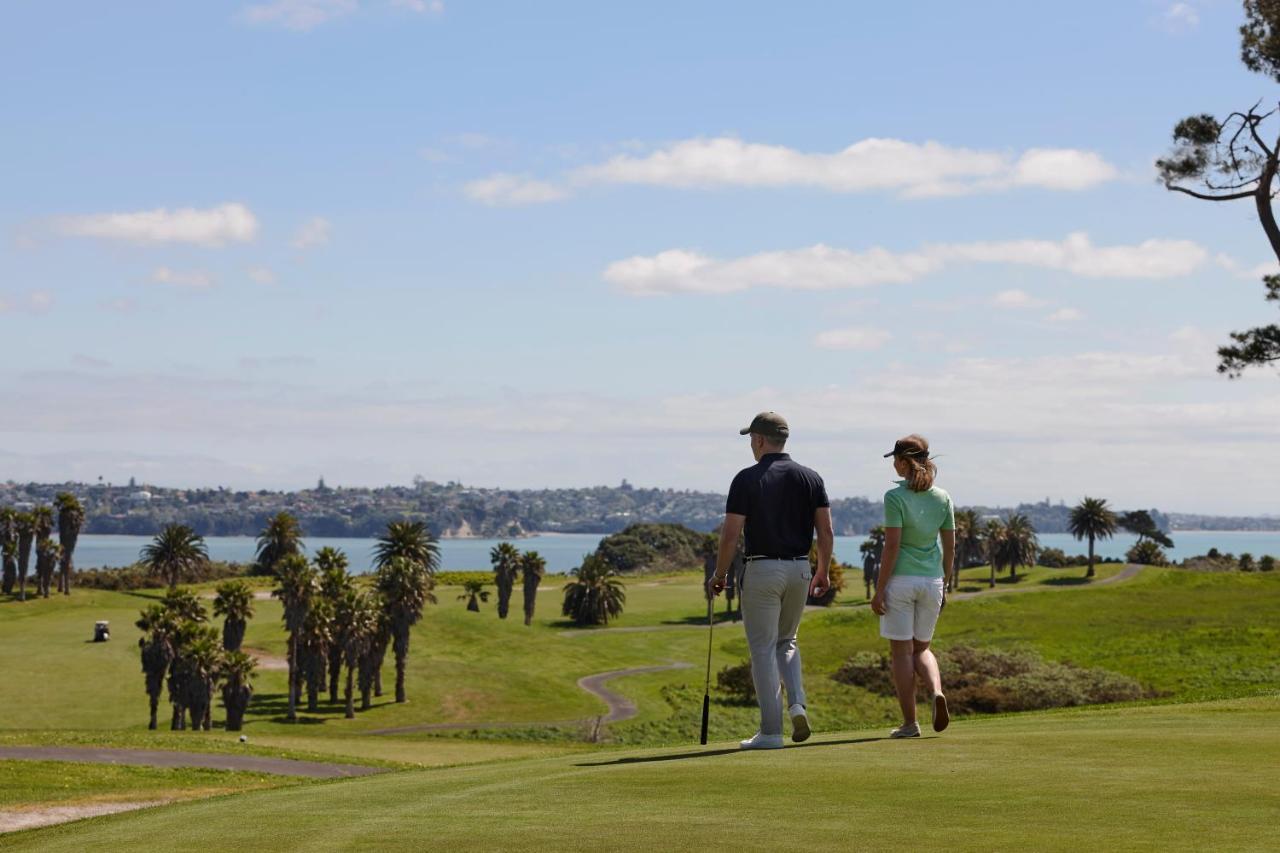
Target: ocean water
564, 551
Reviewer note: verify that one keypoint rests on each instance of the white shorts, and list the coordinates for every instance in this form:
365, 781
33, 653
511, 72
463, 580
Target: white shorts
912, 608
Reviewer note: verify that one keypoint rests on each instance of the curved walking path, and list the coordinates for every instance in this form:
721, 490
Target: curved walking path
620, 707
167, 758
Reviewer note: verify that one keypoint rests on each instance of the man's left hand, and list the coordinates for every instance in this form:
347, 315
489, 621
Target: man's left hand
715, 584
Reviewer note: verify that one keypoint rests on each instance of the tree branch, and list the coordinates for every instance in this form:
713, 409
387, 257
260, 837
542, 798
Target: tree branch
1207, 197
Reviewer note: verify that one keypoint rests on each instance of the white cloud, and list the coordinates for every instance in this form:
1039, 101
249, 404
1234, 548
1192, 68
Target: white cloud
912, 170
1239, 270
862, 339
1066, 315
32, 302
312, 233
214, 227
822, 267
504, 190
1014, 299
422, 7
93, 362
1180, 17
262, 275
299, 14
194, 279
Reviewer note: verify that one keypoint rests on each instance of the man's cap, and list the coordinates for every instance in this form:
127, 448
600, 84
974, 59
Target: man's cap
907, 448
771, 424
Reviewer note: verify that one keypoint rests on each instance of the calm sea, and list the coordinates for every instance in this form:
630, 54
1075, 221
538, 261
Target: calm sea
564, 551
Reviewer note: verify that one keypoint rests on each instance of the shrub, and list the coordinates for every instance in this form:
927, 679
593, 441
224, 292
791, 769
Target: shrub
992, 681
1246, 563
133, 577
1267, 564
653, 548
735, 682
461, 578
1053, 558
1147, 553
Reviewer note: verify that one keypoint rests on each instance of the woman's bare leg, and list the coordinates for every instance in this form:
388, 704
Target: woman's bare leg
902, 662
926, 666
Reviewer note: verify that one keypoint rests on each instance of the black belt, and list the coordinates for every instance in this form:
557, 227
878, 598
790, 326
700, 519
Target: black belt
755, 557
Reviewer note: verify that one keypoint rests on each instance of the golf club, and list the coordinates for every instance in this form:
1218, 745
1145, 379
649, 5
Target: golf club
706, 695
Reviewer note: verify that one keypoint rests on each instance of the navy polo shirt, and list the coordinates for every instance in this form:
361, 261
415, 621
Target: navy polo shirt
779, 497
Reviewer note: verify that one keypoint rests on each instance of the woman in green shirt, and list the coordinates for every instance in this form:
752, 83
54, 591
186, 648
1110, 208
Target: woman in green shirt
913, 574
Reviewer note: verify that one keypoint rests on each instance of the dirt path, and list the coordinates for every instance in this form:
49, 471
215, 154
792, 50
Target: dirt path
167, 758
1129, 572
12, 820
620, 707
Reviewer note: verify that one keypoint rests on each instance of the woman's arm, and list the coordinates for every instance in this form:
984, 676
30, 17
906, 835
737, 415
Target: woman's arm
948, 555
889, 558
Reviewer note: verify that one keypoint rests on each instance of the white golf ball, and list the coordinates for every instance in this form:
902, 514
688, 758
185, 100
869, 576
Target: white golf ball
244, 738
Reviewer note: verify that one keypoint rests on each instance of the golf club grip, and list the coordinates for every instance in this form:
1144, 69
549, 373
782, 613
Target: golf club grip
706, 712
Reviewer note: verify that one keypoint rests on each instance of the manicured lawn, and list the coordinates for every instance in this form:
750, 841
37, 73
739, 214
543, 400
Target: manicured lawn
1186, 635
1145, 778
24, 783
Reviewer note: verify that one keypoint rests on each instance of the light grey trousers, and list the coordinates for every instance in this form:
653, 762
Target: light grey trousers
774, 593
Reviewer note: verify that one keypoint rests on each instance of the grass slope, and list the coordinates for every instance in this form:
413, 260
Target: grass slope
1143, 778
24, 783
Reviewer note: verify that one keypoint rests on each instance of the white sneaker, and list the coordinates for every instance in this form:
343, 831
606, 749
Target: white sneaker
799, 724
912, 730
759, 741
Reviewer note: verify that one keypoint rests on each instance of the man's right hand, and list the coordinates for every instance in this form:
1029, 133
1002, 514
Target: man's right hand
819, 585
715, 584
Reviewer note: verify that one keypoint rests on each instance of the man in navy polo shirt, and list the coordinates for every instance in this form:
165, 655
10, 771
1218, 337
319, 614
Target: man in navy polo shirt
778, 504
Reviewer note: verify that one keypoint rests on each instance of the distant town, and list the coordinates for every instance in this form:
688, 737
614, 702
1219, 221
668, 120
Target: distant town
455, 510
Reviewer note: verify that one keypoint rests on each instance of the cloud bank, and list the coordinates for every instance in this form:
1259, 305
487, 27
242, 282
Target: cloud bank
213, 227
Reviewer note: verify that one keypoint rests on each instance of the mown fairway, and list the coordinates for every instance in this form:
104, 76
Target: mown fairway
1188, 636
1182, 776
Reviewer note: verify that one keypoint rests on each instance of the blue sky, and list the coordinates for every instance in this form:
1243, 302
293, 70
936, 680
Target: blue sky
248, 243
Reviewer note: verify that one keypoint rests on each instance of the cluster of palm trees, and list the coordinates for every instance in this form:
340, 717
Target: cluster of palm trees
181, 652
510, 565
333, 623
23, 532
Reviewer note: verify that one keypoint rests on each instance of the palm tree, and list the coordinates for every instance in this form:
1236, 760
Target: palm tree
194, 674
595, 594
968, 543
373, 654
355, 621
1018, 545
47, 554
473, 592
872, 551
992, 543
236, 672
42, 526
1091, 519
9, 548
314, 644
176, 551
282, 537
185, 606
70, 520
405, 586
506, 565
334, 581
160, 628
298, 589
234, 601
26, 525
532, 570
410, 540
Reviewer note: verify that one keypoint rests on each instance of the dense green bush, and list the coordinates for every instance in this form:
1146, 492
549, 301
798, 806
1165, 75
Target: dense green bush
992, 681
461, 578
1267, 564
653, 548
1147, 553
735, 682
136, 577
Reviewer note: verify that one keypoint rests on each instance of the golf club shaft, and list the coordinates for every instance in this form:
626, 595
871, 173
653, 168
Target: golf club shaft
706, 695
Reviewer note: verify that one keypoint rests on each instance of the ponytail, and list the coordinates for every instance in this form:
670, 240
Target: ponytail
914, 450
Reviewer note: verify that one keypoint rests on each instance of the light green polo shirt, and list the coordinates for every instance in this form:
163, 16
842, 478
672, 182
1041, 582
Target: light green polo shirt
920, 515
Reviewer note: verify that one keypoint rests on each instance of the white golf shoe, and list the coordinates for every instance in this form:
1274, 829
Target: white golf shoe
759, 741
799, 723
